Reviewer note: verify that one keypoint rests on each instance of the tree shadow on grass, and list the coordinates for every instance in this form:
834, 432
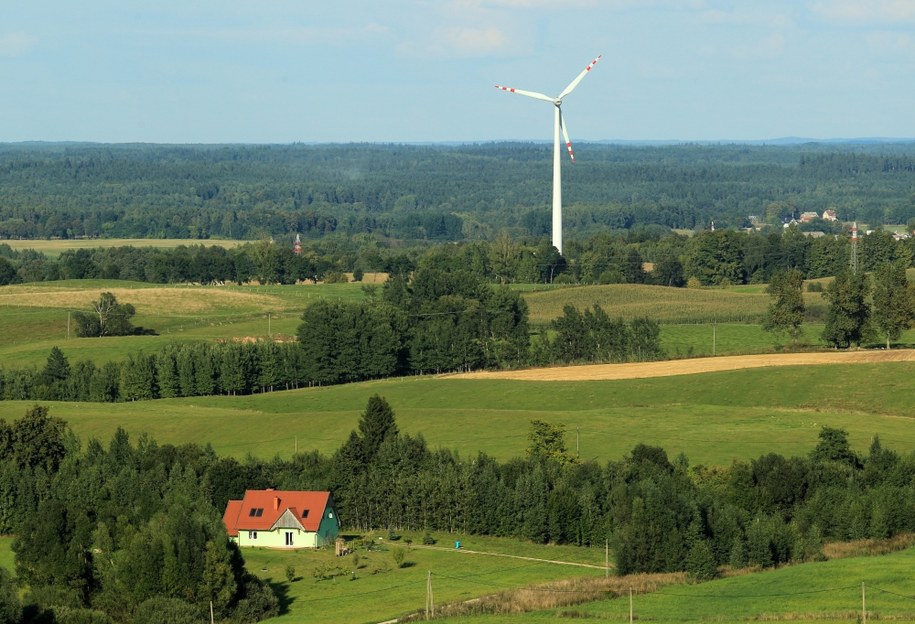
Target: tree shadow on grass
281, 591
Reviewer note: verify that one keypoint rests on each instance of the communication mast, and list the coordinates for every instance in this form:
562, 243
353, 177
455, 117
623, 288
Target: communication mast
853, 264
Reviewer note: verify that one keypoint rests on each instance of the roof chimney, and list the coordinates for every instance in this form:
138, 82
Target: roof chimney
276, 503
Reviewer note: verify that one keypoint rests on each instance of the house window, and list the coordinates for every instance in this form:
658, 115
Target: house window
252, 535
289, 538
305, 514
256, 512
330, 514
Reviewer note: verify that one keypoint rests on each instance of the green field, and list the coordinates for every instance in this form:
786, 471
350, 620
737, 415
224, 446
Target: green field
829, 591
666, 305
34, 317
713, 418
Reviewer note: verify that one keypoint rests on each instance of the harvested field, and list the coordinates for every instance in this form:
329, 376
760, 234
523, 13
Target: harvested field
190, 300
668, 368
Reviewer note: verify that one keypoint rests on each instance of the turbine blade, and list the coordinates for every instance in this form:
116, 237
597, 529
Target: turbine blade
575, 82
565, 135
532, 94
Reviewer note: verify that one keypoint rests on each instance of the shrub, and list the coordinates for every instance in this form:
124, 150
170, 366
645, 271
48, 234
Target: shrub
290, 573
700, 562
399, 554
428, 540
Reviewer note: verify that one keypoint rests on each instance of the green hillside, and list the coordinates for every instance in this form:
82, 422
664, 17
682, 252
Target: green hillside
712, 418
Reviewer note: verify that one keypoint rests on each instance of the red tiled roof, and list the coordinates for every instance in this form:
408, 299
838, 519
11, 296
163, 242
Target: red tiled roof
230, 516
260, 509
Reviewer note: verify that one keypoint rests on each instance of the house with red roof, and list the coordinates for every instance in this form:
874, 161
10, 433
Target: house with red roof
286, 519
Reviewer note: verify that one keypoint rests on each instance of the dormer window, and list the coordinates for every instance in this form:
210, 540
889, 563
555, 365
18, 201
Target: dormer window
305, 513
256, 512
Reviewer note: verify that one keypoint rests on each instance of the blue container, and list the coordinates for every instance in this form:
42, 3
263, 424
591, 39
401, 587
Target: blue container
457, 544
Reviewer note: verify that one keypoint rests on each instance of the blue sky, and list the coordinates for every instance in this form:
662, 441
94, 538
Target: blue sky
280, 71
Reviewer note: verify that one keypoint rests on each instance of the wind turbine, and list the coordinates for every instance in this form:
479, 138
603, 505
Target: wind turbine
558, 125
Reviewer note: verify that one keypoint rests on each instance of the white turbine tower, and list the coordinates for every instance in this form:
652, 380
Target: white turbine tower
558, 125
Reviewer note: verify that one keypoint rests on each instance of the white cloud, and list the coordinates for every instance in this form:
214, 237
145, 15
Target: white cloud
293, 36
893, 11
475, 41
15, 44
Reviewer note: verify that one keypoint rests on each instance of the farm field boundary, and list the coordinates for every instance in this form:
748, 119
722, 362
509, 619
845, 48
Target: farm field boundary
668, 368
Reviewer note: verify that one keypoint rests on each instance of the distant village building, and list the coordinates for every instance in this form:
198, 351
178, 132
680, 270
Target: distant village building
830, 215
284, 519
807, 217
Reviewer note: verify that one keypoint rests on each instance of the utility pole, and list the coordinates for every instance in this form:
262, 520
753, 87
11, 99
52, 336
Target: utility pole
577, 445
68, 324
863, 607
630, 606
269, 331
430, 605
606, 558
714, 337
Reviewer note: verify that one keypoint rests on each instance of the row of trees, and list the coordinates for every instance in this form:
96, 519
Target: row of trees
643, 255
592, 336
859, 305
178, 371
661, 515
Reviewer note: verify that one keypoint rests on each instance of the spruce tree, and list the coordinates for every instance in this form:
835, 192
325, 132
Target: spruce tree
376, 424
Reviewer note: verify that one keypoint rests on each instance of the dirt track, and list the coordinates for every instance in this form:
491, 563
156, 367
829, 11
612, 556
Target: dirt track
668, 368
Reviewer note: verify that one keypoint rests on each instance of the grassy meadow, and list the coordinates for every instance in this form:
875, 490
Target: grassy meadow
713, 418
829, 591
666, 305
381, 590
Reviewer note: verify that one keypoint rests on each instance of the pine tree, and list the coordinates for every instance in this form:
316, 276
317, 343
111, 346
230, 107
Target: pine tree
376, 424
57, 367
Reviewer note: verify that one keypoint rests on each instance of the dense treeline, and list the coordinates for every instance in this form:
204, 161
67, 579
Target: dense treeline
435, 192
661, 515
183, 370
650, 254
118, 534
143, 517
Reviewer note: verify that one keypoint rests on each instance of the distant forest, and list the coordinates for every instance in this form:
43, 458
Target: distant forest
436, 192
